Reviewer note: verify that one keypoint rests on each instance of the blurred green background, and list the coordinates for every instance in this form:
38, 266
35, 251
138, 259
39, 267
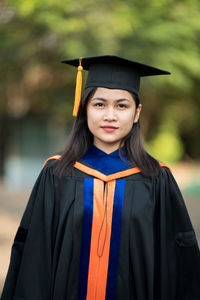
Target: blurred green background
37, 91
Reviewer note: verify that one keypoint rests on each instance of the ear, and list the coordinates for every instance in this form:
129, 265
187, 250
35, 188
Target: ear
137, 113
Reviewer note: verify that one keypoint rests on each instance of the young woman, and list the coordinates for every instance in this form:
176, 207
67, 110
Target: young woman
105, 220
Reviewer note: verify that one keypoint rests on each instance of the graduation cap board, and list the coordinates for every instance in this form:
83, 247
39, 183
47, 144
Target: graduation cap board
112, 72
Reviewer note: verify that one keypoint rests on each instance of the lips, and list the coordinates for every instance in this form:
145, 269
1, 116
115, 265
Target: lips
109, 127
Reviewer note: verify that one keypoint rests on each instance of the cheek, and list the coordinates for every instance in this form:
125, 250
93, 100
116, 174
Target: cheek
92, 119
93, 115
127, 120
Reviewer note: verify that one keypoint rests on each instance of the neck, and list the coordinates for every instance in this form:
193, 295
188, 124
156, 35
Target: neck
106, 147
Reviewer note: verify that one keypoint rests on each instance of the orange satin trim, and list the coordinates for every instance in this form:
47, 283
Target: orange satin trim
99, 253
52, 157
104, 177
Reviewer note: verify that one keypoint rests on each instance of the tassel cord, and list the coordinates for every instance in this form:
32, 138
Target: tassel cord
105, 216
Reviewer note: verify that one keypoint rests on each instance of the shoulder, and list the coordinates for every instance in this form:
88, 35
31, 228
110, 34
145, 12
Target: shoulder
47, 169
166, 172
48, 162
166, 179
165, 167
165, 175
53, 164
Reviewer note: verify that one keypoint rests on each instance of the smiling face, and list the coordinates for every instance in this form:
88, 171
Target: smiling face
111, 108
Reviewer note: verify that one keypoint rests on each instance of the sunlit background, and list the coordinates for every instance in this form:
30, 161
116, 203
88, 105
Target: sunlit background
37, 91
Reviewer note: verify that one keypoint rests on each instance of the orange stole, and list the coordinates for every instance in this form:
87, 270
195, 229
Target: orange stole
100, 240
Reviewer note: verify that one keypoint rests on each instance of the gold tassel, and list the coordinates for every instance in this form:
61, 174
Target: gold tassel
78, 88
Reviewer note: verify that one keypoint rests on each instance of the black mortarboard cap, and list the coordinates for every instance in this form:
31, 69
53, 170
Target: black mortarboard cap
113, 72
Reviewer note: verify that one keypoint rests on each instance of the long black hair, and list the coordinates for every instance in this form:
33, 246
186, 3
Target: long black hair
80, 139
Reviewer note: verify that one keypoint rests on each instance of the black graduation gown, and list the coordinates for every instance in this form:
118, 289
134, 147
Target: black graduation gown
96, 236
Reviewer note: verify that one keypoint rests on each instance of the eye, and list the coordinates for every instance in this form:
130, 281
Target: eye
123, 105
98, 104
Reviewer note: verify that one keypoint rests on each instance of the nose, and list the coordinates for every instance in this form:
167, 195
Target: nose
110, 114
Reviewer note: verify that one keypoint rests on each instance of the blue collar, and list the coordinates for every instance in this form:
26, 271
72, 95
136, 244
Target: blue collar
106, 163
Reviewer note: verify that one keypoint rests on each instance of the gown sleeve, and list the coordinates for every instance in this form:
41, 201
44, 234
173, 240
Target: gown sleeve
177, 268
29, 271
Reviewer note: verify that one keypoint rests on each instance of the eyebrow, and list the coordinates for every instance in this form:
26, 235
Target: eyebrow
118, 100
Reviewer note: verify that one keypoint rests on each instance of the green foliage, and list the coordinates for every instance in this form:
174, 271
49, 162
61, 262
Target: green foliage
167, 145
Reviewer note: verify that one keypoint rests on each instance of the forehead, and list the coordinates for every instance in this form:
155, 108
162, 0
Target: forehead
112, 93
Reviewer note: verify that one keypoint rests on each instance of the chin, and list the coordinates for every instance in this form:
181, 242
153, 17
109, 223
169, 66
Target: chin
109, 140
